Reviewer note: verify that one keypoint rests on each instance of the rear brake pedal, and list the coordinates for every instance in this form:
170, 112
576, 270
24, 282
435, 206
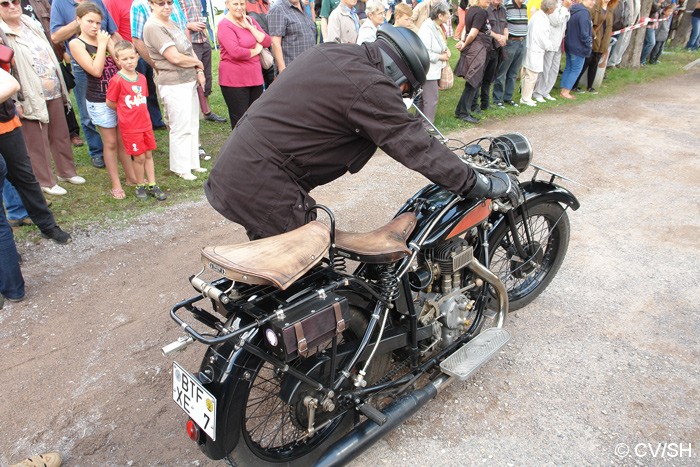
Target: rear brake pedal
469, 358
373, 414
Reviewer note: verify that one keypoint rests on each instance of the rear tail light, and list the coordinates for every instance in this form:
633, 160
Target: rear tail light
192, 430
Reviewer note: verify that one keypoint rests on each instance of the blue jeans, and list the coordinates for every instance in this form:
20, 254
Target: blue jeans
13, 203
11, 280
649, 43
574, 65
504, 85
694, 40
89, 131
152, 100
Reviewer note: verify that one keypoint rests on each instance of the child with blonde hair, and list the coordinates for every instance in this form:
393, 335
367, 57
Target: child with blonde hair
126, 93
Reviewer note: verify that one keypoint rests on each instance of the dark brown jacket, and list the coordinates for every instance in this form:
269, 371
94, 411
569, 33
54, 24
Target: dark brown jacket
602, 25
327, 113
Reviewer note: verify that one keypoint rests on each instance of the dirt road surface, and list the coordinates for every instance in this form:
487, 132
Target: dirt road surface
602, 369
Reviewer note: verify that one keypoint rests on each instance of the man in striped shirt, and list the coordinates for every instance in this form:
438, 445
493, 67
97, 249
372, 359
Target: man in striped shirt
504, 86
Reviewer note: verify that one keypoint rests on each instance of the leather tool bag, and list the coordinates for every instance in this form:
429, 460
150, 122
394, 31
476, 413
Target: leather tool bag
308, 327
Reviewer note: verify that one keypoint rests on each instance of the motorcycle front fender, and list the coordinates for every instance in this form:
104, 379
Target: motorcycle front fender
539, 191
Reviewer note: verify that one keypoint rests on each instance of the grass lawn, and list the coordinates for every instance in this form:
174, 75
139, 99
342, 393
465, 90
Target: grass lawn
91, 204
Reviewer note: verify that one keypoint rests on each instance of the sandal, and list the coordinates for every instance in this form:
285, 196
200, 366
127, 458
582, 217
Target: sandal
50, 459
118, 193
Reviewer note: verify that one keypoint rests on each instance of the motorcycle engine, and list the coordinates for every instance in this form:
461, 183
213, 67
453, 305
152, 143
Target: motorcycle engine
442, 293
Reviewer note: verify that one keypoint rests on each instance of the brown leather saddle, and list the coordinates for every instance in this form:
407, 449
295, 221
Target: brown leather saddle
284, 258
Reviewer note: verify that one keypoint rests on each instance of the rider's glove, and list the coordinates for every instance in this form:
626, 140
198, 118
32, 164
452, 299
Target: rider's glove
494, 186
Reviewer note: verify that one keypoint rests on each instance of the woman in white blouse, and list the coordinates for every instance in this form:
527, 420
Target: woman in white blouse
433, 36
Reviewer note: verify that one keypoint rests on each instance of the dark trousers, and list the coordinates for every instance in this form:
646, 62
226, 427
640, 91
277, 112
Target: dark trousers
465, 102
590, 67
152, 100
238, 100
73, 127
19, 173
489, 77
656, 52
11, 280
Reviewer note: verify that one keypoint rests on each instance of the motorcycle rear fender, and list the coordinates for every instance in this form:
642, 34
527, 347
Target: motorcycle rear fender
229, 379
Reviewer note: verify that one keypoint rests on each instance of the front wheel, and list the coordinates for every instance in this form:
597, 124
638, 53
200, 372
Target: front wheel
526, 278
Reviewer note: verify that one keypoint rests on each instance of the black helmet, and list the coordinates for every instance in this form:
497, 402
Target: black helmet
405, 56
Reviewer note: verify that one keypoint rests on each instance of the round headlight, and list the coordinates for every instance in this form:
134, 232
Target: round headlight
515, 149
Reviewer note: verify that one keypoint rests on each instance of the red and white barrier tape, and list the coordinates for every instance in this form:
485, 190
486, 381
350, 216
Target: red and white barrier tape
643, 22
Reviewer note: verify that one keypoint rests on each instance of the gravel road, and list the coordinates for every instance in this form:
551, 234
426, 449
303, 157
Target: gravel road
603, 368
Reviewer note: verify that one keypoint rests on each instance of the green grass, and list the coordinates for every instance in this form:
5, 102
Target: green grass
91, 204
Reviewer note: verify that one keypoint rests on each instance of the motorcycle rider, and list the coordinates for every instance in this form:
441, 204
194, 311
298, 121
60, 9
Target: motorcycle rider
325, 115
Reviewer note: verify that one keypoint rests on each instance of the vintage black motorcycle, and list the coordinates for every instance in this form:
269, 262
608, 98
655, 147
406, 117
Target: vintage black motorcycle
309, 363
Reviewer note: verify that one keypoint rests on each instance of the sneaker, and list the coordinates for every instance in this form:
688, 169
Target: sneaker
50, 459
77, 180
14, 300
200, 170
591, 91
528, 102
203, 154
157, 193
57, 235
468, 119
186, 176
512, 103
550, 98
540, 99
212, 117
98, 162
500, 105
141, 192
76, 141
20, 222
54, 190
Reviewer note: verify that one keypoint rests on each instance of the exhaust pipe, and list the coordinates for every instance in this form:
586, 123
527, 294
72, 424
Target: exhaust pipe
369, 432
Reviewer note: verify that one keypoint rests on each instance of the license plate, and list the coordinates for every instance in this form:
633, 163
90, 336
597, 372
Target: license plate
196, 401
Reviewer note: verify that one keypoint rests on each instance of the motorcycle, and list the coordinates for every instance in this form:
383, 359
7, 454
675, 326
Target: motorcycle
308, 363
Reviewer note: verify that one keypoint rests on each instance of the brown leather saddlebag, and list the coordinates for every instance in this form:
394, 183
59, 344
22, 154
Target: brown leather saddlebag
308, 327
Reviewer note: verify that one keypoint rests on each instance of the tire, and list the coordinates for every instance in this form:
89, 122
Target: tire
523, 280
271, 431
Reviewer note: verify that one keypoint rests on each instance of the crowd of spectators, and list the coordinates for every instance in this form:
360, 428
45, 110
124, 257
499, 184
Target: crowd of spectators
527, 38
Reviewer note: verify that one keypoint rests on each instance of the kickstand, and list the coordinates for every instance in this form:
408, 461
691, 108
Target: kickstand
229, 462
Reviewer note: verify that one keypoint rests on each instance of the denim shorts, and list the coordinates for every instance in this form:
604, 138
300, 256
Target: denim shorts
101, 115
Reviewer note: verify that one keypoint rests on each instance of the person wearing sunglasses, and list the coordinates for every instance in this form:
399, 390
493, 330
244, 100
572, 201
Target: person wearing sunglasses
179, 74
44, 98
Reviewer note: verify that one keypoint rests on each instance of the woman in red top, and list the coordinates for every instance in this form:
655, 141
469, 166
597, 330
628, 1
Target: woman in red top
240, 75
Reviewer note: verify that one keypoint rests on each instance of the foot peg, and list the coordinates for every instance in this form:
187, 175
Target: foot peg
469, 358
373, 414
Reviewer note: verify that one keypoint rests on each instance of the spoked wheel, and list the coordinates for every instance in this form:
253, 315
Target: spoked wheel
526, 277
274, 428
275, 431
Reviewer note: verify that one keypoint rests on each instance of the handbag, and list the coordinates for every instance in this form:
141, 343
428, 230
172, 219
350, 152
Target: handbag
447, 78
6, 57
266, 59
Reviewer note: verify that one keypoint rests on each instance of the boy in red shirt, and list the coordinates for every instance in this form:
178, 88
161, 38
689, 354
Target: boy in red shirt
127, 93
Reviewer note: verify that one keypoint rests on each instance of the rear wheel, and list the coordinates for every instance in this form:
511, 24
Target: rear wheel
526, 278
273, 431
